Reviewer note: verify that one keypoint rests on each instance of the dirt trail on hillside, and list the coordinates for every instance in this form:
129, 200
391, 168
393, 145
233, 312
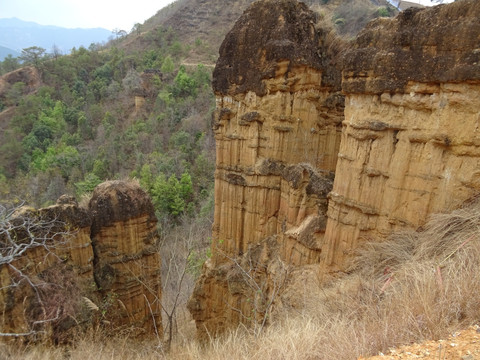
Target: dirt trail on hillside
462, 345
197, 63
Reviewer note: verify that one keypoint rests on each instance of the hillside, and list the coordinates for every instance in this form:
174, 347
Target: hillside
204, 23
101, 83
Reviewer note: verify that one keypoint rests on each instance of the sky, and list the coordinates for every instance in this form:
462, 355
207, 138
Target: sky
422, 2
108, 14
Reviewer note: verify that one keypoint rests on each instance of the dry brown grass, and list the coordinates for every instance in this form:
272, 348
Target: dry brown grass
414, 286
92, 346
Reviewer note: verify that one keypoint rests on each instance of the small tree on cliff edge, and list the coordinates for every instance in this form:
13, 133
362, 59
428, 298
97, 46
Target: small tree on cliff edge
32, 55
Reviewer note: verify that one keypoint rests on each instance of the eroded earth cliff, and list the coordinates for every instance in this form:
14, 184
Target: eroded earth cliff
73, 267
126, 258
321, 145
411, 139
277, 130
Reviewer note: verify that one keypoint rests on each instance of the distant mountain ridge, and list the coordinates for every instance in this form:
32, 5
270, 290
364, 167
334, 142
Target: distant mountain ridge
16, 34
4, 52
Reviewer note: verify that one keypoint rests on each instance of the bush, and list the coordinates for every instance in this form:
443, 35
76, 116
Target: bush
383, 12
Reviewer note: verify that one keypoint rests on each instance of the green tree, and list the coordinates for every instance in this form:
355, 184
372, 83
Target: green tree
176, 48
202, 76
146, 178
88, 185
10, 63
184, 85
32, 55
186, 189
119, 33
4, 188
12, 151
85, 129
104, 72
137, 28
202, 171
152, 59
97, 90
100, 168
167, 196
168, 65
181, 141
164, 98
383, 12
15, 93
176, 205
61, 157
49, 126
159, 194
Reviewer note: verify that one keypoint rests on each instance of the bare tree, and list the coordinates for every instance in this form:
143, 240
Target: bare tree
56, 52
261, 286
23, 231
177, 268
132, 82
184, 250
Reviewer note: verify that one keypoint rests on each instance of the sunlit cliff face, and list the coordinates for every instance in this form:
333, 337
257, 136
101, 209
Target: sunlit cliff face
400, 141
106, 253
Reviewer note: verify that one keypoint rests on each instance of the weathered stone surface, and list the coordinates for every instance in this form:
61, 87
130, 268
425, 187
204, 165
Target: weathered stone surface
434, 45
107, 253
277, 131
241, 290
410, 139
261, 140
409, 145
59, 269
127, 261
271, 32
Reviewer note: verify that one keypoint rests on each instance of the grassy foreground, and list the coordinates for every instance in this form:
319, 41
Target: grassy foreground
414, 286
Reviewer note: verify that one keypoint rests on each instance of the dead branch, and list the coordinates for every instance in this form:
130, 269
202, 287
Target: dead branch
22, 231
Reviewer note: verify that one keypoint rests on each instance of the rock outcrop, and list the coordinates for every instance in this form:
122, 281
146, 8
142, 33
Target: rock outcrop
64, 253
127, 262
45, 258
399, 142
30, 78
277, 130
411, 138
27, 75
